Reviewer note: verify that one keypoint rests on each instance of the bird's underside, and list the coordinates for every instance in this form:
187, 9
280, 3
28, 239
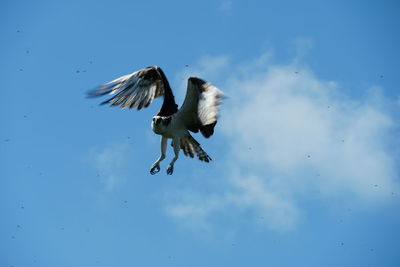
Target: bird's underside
198, 113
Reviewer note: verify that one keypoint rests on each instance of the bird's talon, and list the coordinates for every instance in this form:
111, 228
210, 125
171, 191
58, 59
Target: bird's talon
154, 169
170, 169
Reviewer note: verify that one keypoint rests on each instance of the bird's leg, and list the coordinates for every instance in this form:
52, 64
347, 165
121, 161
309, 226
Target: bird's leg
156, 165
177, 146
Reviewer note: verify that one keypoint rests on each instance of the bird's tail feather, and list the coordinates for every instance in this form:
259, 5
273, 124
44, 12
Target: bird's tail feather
191, 147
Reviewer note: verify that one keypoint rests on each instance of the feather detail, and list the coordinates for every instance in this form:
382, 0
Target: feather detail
138, 90
201, 106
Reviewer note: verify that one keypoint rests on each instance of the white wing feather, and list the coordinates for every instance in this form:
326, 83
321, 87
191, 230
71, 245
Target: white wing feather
201, 106
137, 89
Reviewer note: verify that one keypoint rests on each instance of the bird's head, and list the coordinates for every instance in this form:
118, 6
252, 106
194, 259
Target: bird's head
157, 120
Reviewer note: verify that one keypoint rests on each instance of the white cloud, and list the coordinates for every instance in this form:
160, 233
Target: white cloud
276, 209
291, 135
225, 6
299, 127
239, 194
109, 162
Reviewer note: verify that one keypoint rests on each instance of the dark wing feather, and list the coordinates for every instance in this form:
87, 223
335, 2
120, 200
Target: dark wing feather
200, 109
137, 89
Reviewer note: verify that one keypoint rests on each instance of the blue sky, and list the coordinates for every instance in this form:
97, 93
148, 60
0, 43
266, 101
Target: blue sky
305, 155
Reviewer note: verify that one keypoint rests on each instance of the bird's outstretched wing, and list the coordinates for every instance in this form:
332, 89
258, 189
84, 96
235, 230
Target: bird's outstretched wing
137, 89
200, 109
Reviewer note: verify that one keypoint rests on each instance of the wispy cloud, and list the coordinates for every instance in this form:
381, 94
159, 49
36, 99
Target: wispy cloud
108, 163
226, 6
290, 136
301, 127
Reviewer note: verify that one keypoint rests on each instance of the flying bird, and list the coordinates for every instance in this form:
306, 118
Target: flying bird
199, 111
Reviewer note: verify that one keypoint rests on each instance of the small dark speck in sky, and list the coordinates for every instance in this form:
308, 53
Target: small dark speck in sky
27, 51
20, 69
381, 76
125, 201
342, 243
296, 72
77, 71
186, 65
308, 156
7, 140
18, 226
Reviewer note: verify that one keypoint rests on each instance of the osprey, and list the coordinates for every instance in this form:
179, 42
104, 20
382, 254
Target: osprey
199, 111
